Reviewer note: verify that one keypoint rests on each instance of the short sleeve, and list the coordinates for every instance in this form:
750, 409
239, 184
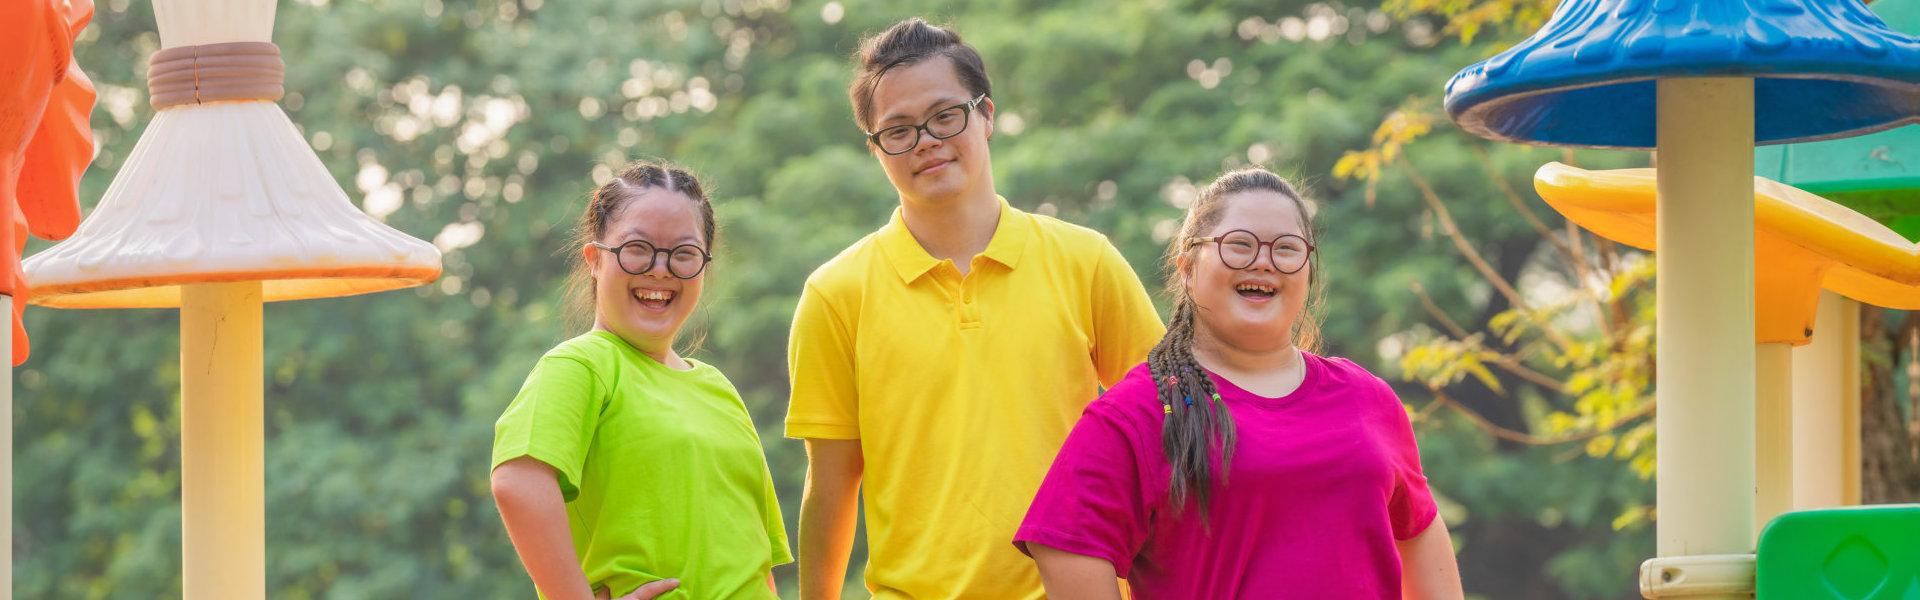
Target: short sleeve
776, 528
1411, 508
825, 402
1091, 502
552, 419
1125, 325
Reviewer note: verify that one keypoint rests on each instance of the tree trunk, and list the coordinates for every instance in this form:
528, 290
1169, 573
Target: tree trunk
1889, 452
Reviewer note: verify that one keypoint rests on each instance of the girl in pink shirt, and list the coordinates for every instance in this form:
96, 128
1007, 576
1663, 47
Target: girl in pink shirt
1233, 464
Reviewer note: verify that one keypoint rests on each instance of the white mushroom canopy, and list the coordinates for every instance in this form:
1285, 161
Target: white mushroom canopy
222, 192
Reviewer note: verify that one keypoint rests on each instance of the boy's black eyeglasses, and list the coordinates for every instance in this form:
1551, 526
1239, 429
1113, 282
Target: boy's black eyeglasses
684, 261
949, 122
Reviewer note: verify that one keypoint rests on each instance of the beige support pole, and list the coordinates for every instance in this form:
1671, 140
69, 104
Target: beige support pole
1849, 402
1705, 325
222, 469
1819, 410
1774, 434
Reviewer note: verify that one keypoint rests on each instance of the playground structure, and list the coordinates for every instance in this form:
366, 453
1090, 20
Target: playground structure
222, 206
1701, 82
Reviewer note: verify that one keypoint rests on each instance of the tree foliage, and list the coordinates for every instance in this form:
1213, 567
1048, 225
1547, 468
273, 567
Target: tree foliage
1468, 18
1578, 335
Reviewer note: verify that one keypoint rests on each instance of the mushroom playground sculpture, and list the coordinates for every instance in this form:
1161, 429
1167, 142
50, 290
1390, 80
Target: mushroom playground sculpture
1702, 82
1808, 243
221, 206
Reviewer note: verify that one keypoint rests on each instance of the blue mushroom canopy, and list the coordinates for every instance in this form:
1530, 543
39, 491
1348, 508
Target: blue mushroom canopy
1822, 69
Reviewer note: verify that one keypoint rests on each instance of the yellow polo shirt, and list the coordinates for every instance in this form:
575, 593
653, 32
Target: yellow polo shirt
961, 389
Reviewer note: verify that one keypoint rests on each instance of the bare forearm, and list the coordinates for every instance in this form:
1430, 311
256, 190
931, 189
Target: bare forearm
1070, 576
536, 518
826, 540
1428, 570
827, 516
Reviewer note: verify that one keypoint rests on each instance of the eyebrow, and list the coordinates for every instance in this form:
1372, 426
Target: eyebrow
633, 236
1301, 235
935, 105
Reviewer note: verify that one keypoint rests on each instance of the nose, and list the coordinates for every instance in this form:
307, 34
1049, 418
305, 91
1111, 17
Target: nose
926, 142
1271, 264
657, 267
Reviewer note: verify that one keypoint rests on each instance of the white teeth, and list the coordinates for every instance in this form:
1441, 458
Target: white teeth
653, 294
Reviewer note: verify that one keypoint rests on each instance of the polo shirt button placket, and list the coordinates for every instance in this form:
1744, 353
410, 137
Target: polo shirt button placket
969, 314
951, 282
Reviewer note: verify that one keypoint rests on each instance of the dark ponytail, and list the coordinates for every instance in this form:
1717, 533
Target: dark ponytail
1195, 415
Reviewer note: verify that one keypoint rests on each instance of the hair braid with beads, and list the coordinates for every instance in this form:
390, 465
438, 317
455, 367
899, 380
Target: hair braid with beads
1195, 415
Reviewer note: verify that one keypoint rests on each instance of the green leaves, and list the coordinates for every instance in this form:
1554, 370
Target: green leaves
1441, 362
1466, 18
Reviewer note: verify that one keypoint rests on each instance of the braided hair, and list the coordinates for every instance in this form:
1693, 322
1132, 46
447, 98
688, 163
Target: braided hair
1195, 414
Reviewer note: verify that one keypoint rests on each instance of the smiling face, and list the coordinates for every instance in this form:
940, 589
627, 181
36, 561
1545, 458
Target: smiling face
1252, 309
935, 171
648, 309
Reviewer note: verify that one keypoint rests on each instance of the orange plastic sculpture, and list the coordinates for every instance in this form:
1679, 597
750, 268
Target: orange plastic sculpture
45, 142
1802, 243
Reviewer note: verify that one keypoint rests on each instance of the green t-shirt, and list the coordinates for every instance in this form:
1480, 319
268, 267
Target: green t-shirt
661, 469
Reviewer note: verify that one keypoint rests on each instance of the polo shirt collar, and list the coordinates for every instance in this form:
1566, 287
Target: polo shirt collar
911, 261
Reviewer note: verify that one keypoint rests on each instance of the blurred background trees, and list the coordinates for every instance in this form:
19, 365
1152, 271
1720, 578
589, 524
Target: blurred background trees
1519, 344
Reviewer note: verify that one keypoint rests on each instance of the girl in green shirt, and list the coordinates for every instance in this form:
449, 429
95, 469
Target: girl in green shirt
623, 469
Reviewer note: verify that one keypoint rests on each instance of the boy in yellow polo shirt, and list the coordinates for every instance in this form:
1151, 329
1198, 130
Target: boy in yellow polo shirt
942, 359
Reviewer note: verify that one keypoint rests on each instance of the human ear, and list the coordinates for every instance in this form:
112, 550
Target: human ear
587, 253
986, 114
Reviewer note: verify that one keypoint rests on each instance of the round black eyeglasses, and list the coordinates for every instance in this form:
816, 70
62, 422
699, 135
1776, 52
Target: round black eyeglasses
684, 261
1240, 248
949, 122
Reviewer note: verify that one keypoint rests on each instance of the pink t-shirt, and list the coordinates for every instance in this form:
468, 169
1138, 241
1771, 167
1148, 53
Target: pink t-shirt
1323, 481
